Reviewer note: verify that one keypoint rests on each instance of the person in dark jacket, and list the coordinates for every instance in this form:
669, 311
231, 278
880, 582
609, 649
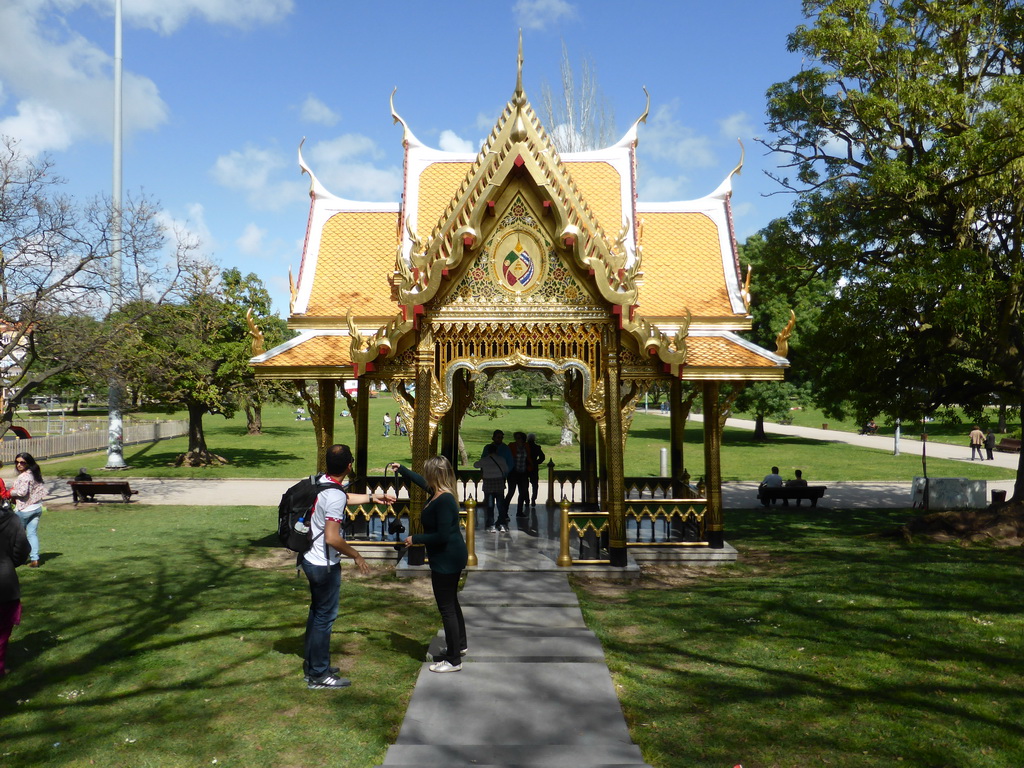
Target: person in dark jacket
990, 445
537, 457
446, 552
14, 551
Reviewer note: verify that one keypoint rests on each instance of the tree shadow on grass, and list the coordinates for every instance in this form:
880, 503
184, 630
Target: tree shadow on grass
149, 458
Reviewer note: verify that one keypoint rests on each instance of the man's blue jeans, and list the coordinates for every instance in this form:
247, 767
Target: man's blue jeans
324, 591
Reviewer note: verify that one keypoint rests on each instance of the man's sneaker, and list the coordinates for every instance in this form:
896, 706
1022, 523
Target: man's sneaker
445, 666
502, 529
329, 681
330, 671
491, 529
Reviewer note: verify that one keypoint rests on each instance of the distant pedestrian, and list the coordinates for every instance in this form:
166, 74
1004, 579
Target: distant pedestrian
977, 438
14, 551
497, 445
493, 470
28, 493
536, 459
519, 477
400, 425
797, 481
387, 424
990, 444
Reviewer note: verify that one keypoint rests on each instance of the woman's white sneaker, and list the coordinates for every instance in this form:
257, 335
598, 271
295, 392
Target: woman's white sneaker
445, 666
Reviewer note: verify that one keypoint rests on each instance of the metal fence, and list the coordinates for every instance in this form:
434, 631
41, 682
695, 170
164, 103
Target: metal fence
90, 440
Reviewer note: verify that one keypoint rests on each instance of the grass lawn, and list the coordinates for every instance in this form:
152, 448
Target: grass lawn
165, 637
824, 645
287, 449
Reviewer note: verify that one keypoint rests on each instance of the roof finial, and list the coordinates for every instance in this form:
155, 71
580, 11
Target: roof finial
519, 66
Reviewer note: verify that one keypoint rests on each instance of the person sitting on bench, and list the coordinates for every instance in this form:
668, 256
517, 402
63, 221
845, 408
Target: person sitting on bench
798, 481
83, 474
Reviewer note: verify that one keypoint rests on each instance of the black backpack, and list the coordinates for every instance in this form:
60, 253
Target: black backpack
297, 504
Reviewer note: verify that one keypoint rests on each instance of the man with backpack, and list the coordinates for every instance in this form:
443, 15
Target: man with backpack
322, 564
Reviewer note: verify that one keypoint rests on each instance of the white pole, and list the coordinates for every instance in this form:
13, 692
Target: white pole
896, 440
115, 425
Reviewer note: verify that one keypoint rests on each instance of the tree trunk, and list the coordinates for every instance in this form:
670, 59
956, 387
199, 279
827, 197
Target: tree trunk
529, 401
198, 454
1001, 424
568, 422
759, 433
253, 419
1018, 485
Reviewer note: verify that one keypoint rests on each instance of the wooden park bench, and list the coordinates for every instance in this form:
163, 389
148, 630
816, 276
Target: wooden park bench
810, 492
82, 490
1008, 445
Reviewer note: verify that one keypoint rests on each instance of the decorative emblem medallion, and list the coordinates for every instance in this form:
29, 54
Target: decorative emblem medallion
518, 261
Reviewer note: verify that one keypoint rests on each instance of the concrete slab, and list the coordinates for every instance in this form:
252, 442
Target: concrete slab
546, 756
507, 704
516, 619
548, 646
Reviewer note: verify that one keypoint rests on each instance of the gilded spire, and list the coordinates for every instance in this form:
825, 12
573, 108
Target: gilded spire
519, 66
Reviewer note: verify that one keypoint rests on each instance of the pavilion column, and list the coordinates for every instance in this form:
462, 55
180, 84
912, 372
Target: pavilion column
588, 456
677, 436
422, 440
362, 425
615, 502
713, 465
324, 420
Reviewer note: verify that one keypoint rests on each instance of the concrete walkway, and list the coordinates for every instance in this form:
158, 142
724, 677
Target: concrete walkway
534, 689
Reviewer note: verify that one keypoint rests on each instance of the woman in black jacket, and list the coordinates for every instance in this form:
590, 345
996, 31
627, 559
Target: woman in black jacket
446, 552
14, 551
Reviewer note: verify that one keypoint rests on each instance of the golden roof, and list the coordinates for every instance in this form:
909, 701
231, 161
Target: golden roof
682, 267
601, 185
308, 355
356, 257
726, 356
437, 183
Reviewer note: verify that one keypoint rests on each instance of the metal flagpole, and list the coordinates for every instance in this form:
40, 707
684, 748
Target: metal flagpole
115, 396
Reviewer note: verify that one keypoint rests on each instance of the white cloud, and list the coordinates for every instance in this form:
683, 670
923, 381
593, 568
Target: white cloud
345, 165
668, 140
736, 126
662, 188
449, 141
257, 172
57, 85
538, 14
252, 240
168, 17
315, 111
38, 128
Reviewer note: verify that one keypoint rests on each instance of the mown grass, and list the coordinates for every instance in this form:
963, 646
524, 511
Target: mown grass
287, 449
826, 644
170, 636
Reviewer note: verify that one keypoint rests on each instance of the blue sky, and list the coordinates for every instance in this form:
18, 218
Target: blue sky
219, 93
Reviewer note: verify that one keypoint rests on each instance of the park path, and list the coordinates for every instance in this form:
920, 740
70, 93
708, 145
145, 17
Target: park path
534, 690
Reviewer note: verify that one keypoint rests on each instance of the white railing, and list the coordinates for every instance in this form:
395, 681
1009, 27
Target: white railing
89, 440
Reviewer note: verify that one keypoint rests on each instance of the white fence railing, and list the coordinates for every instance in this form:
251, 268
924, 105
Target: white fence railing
87, 441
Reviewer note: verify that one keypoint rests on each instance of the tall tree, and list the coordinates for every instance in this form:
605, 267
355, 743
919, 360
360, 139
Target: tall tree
579, 118
186, 354
54, 275
247, 300
904, 135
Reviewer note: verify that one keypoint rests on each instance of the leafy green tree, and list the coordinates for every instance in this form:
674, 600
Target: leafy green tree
186, 355
904, 134
247, 299
530, 384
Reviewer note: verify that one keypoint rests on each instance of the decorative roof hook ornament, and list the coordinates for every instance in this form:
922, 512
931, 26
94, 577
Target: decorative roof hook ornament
782, 341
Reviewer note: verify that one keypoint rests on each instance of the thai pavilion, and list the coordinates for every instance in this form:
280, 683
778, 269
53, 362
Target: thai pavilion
522, 258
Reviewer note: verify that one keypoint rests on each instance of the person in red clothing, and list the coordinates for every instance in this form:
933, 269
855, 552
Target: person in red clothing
5, 495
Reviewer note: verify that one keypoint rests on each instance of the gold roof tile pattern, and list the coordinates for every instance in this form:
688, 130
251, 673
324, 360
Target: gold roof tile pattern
437, 183
601, 186
682, 267
318, 351
355, 260
723, 352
